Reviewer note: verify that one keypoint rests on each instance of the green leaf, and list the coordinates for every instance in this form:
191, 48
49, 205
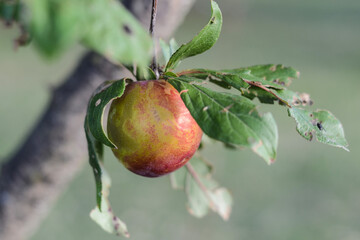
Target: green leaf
322, 124
95, 150
206, 38
55, 24
9, 11
229, 118
102, 214
141, 73
178, 178
203, 193
276, 73
224, 80
106, 218
168, 49
266, 82
269, 84
114, 32
104, 26
107, 92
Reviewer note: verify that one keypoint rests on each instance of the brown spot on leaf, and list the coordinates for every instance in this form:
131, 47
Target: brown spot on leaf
296, 101
273, 68
305, 99
205, 108
116, 226
309, 134
226, 109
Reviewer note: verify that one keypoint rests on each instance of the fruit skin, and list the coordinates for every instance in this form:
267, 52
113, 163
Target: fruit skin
152, 129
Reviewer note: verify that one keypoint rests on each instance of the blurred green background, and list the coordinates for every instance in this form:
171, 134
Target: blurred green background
311, 192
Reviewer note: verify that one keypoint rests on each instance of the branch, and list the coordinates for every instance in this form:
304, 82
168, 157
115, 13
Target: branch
34, 177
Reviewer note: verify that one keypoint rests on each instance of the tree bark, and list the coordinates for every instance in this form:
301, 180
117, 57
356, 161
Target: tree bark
55, 150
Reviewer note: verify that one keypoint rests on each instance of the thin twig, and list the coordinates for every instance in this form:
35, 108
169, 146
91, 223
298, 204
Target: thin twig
154, 66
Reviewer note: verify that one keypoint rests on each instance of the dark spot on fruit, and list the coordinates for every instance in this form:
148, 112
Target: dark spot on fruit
127, 29
212, 20
320, 126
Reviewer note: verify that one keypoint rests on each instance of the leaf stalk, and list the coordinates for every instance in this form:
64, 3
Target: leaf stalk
154, 65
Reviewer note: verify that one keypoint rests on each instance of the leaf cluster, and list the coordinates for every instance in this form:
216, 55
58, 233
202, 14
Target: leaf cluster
54, 25
228, 115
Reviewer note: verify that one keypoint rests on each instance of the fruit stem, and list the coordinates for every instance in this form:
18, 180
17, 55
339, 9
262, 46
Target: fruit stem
154, 66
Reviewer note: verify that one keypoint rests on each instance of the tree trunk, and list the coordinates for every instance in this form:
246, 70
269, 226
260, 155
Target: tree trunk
34, 177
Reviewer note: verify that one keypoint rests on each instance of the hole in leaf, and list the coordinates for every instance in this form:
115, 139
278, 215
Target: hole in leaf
127, 29
320, 126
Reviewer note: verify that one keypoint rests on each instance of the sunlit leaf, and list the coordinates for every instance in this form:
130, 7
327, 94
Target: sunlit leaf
322, 124
268, 83
229, 118
206, 38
